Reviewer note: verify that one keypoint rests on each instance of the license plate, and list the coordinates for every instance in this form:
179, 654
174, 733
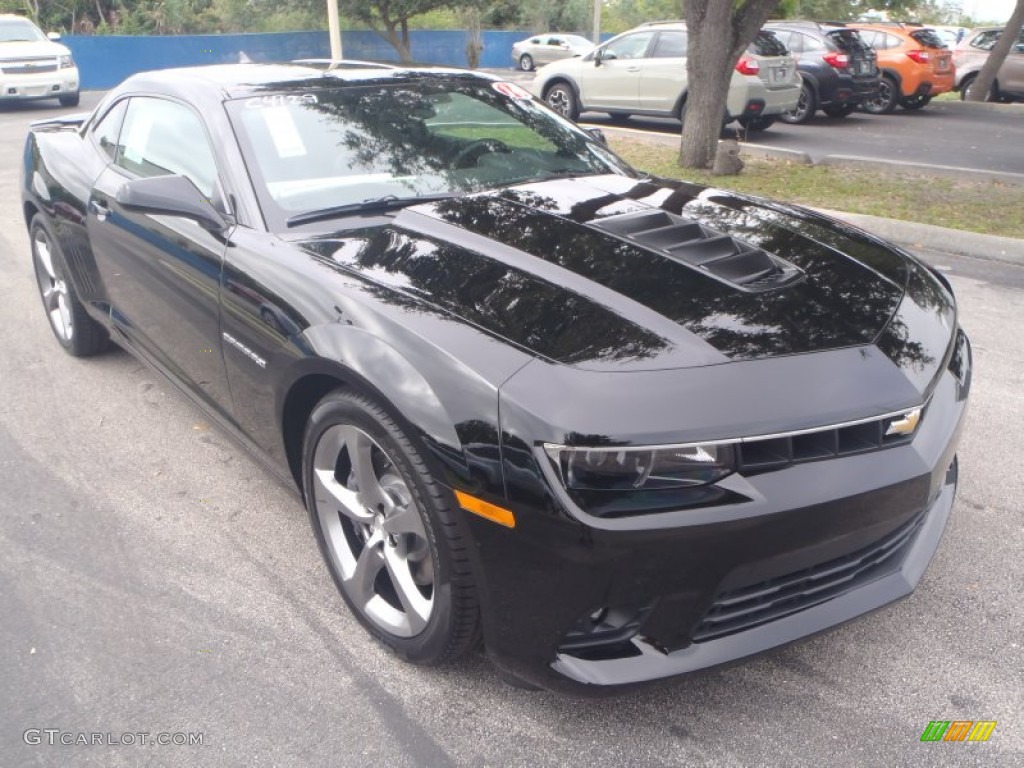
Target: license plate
943, 65
779, 75
864, 67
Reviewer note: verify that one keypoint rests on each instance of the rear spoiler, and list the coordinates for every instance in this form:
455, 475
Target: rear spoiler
60, 123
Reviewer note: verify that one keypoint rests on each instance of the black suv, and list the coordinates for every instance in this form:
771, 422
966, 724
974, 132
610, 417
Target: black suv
839, 69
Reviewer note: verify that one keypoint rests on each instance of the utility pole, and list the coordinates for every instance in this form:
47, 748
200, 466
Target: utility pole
334, 27
597, 22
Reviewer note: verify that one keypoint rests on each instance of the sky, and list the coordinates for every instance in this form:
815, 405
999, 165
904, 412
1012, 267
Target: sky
989, 10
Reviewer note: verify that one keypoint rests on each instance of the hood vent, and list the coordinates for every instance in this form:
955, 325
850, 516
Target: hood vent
732, 261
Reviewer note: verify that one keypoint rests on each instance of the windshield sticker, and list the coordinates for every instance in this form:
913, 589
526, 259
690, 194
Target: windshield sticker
283, 132
512, 90
281, 100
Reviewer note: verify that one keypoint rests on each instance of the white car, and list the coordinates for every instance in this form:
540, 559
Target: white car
34, 65
643, 72
544, 49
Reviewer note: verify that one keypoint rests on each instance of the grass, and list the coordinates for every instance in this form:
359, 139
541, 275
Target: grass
987, 207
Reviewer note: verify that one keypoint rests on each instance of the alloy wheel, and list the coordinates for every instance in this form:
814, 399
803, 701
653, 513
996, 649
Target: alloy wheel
559, 101
373, 531
53, 286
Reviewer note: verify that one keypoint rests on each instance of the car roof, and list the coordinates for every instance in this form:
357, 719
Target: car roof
231, 81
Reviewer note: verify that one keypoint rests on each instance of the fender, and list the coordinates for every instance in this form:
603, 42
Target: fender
892, 73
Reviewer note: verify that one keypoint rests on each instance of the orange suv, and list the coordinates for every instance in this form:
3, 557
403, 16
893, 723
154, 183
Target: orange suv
915, 65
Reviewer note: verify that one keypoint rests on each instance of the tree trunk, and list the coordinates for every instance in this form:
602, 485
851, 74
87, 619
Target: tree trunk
400, 42
718, 35
474, 38
986, 77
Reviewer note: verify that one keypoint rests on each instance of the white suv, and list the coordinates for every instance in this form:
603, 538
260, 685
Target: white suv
643, 72
33, 66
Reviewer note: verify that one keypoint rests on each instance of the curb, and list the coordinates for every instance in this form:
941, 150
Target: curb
930, 237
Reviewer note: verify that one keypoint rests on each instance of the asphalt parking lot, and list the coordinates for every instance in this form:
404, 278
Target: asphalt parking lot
155, 580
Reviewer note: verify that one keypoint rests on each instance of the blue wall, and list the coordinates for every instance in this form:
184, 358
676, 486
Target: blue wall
105, 60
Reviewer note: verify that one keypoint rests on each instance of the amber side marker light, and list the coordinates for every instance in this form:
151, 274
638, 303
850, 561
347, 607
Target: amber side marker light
486, 510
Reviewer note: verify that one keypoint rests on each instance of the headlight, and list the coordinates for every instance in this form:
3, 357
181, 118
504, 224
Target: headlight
65, 62
641, 469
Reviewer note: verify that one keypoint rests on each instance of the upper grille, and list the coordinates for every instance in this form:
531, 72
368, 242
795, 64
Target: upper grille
733, 261
763, 454
748, 607
28, 66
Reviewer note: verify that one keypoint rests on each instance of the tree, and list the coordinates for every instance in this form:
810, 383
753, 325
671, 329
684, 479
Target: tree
981, 87
390, 18
719, 32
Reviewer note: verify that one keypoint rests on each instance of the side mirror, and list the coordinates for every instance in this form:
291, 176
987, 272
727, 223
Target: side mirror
598, 134
171, 196
53, 36
598, 55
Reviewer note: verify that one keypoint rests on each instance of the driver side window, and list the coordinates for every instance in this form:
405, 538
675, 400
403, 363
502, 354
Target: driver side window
628, 47
162, 137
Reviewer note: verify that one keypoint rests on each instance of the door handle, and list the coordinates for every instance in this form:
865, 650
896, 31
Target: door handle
634, 68
100, 209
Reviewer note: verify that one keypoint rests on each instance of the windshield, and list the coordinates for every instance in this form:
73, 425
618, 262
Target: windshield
19, 31
767, 43
323, 148
929, 38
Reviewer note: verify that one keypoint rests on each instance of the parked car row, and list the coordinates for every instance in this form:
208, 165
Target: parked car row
789, 72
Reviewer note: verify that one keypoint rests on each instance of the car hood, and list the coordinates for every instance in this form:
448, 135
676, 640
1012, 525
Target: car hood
31, 49
617, 273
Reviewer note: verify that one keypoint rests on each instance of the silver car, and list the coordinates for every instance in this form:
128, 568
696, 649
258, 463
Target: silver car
972, 53
643, 72
544, 49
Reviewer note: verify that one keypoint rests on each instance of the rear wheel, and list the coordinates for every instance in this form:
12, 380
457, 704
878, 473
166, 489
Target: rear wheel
916, 101
76, 331
805, 106
561, 98
839, 110
885, 99
968, 84
387, 531
526, 62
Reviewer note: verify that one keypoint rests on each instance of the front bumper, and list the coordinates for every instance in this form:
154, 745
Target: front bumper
44, 85
665, 587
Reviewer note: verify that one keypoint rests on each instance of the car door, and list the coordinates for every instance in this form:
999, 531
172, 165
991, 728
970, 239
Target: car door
1011, 74
162, 273
551, 50
663, 78
613, 79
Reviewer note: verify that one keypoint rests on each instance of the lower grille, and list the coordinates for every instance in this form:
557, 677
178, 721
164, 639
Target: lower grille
748, 607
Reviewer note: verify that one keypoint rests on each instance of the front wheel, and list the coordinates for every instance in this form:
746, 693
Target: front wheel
387, 531
805, 106
69, 100
562, 99
915, 102
77, 332
885, 99
526, 62
968, 84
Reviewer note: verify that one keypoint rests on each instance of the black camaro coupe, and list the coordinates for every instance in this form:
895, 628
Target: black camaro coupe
615, 427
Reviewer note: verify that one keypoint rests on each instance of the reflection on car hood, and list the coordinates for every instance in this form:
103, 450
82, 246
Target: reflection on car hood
566, 270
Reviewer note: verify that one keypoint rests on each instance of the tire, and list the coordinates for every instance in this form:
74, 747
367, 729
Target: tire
74, 329
916, 101
70, 100
758, 123
618, 117
968, 81
885, 100
805, 106
402, 568
526, 62
839, 110
562, 99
